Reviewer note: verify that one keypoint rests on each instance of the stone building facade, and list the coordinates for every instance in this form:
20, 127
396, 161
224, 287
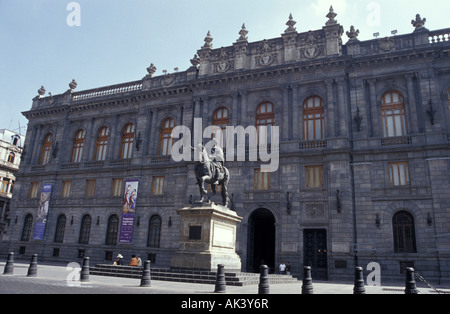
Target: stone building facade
364, 155
11, 146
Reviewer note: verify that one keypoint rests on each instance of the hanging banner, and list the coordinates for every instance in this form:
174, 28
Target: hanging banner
128, 212
42, 213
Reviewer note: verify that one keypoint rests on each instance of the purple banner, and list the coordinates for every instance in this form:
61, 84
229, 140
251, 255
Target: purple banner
128, 212
42, 213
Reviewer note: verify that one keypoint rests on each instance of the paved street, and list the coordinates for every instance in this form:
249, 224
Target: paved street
58, 280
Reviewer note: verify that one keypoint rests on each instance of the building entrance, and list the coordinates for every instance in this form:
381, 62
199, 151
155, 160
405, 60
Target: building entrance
315, 252
261, 241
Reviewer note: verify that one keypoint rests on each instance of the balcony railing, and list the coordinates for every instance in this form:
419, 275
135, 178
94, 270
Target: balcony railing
317, 144
439, 36
401, 140
161, 159
107, 91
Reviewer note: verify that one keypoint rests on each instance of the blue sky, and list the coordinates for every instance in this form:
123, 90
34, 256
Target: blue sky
118, 39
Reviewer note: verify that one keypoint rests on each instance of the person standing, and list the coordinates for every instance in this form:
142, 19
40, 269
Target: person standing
133, 261
288, 268
282, 268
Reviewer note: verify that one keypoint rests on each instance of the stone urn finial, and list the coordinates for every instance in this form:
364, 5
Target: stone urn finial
291, 25
151, 70
353, 34
243, 32
195, 61
41, 91
419, 22
208, 40
73, 85
331, 17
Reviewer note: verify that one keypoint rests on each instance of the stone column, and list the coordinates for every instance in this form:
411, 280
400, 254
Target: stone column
330, 115
243, 118
89, 141
31, 144
342, 109
235, 109
154, 134
148, 128
412, 105
35, 155
285, 109
113, 138
377, 130
297, 114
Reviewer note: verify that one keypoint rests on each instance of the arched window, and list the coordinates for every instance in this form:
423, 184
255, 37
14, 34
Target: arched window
404, 233
126, 147
165, 137
11, 157
60, 229
15, 140
77, 149
313, 119
221, 119
265, 116
154, 232
46, 150
393, 114
85, 230
26, 231
112, 231
101, 144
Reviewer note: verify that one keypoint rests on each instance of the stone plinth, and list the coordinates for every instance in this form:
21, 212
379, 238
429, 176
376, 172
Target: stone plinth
208, 238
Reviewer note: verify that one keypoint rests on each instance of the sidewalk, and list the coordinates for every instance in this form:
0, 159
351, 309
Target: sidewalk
59, 280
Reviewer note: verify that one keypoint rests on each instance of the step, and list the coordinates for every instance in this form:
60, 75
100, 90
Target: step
183, 275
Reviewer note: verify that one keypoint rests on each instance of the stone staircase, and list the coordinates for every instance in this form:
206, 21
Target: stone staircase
189, 276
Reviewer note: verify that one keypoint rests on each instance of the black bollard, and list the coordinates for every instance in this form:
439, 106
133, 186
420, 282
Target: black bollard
307, 287
84, 277
146, 278
9, 267
410, 285
359, 281
221, 285
32, 270
263, 287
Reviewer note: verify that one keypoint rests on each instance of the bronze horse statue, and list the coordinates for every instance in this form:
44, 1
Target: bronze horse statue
210, 172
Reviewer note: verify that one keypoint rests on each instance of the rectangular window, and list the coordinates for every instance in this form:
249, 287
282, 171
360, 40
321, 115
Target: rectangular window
34, 188
158, 186
117, 187
66, 187
394, 121
314, 177
262, 180
90, 188
399, 173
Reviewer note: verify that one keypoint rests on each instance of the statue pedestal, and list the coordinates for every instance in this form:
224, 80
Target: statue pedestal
208, 238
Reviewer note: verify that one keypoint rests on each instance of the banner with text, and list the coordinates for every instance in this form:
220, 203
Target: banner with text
42, 213
128, 212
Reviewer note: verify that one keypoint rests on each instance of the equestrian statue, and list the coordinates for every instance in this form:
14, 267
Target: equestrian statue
210, 169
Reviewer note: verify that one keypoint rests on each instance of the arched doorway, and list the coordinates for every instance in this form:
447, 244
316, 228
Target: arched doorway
261, 240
